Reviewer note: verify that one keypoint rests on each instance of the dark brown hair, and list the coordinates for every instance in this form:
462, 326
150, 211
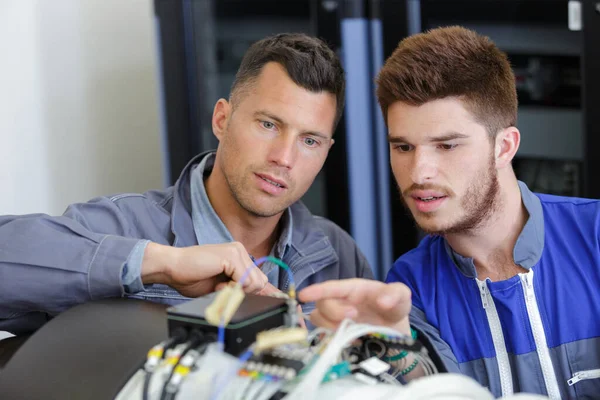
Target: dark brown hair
308, 61
447, 62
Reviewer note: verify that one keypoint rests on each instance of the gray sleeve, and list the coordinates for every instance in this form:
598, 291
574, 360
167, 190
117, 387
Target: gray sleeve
418, 321
365, 270
48, 264
132, 270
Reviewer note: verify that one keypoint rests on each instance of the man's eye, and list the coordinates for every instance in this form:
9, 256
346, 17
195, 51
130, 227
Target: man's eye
310, 142
403, 147
447, 146
268, 125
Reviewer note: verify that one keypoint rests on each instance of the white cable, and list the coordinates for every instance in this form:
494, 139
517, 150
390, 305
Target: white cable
269, 390
255, 389
345, 334
241, 387
315, 332
389, 379
233, 387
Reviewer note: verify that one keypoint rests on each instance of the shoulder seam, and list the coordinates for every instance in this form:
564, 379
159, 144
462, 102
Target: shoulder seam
160, 205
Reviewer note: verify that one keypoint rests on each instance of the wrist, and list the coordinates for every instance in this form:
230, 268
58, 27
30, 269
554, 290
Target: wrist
156, 264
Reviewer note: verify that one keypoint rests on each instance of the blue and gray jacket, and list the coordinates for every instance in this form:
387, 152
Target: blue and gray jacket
49, 264
537, 332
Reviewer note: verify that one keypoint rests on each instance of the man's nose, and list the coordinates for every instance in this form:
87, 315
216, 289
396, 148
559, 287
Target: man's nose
283, 151
424, 166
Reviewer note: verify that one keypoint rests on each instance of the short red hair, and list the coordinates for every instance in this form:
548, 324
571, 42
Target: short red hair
451, 62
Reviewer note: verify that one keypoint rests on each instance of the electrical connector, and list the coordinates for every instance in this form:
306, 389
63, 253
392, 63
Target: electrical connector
374, 366
292, 318
269, 339
225, 305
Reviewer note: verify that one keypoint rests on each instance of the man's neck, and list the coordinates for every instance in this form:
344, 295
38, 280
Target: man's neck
257, 234
492, 245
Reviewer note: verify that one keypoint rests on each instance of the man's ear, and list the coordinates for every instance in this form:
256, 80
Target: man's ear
220, 118
506, 145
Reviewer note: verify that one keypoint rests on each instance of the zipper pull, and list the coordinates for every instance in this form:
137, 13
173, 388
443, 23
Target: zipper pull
576, 378
528, 285
529, 280
582, 375
484, 294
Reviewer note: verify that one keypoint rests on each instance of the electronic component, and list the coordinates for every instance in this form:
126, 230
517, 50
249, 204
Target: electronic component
255, 314
374, 366
269, 366
274, 357
337, 371
225, 305
365, 378
269, 339
399, 342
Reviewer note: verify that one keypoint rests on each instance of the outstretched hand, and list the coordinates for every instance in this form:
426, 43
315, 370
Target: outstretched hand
362, 300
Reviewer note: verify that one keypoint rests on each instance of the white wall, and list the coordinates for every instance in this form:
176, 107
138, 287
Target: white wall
78, 102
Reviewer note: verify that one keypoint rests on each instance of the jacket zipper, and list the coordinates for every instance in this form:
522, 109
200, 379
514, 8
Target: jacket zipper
539, 336
497, 338
584, 375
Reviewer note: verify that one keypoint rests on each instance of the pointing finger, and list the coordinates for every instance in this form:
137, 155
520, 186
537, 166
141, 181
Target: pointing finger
336, 289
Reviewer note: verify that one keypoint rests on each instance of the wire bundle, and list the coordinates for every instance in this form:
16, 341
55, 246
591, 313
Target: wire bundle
347, 333
327, 356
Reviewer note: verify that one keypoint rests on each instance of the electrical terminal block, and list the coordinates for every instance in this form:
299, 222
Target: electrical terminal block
265, 372
225, 304
273, 338
278, 364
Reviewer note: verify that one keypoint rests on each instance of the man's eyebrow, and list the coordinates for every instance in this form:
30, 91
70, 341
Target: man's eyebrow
317, 134
448, 136
433, 139
269, 115
397, 139
282, 122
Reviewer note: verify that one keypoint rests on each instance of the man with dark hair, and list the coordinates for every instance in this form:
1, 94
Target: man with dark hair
229, 206
506, 285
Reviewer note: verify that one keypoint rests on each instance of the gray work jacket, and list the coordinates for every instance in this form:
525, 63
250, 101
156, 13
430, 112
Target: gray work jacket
49, 264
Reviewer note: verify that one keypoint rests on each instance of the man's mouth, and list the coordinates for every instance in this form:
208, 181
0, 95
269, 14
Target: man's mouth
273, 181
430, 198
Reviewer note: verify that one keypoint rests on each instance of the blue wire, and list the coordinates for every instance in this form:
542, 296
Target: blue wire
221, 336
246, 356
243, 358
255, 265
275, 261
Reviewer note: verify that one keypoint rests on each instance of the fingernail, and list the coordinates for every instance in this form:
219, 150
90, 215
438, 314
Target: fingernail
387, 301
